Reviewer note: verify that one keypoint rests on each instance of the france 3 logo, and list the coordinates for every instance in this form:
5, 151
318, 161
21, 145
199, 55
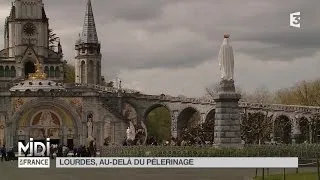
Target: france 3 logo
295, 19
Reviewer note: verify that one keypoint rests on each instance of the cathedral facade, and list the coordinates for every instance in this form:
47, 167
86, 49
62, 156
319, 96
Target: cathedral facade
34, 102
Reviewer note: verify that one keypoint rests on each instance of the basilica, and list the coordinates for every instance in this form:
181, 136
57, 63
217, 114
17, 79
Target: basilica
34, 102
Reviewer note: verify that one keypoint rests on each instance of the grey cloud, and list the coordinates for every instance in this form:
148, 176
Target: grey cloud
203, 22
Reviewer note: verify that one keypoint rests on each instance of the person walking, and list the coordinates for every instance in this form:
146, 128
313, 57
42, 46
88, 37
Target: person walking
3, 153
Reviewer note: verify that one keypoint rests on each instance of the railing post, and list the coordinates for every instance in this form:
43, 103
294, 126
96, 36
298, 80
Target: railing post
318, 171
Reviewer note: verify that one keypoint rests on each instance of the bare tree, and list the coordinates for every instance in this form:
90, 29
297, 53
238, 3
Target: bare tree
303, 93
212, 90
256, 127
261, 95
315, 127
53, 39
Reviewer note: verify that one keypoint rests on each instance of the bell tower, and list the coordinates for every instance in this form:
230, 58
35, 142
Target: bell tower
27, 23
27, 37
88, 56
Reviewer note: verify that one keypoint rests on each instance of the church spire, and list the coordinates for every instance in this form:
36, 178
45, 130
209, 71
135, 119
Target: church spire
89, 32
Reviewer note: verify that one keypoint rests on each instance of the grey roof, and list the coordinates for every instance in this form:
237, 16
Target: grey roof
89, 32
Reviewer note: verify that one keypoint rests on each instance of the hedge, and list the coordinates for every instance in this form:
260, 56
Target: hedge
305, 151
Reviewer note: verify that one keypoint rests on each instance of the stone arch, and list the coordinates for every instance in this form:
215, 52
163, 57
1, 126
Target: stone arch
187, 118
256, 127
7, 71
20, 117
304, 127
157, 119
314, 127
32, 120
282, 129
82, 71
89, 114
40, 127
1, 71
208, 125
211, 115
13, 72
51, 71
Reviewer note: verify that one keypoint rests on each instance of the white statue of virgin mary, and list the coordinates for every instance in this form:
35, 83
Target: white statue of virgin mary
226, 59
131, 133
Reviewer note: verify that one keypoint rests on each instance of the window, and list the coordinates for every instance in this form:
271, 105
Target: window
46, 70
7, 71
57, 72
51, 72
13, 72
1, 71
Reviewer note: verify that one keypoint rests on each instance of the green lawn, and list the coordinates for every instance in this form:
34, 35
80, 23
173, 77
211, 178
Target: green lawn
299, 176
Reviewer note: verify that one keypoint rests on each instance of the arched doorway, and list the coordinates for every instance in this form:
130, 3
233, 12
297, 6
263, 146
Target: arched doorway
45, 121
158, 123
29, 67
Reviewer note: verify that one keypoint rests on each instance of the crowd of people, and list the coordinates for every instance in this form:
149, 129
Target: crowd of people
7, 155
81, 151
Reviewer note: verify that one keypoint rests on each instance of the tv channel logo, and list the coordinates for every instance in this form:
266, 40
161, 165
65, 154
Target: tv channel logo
35, 148
295, 19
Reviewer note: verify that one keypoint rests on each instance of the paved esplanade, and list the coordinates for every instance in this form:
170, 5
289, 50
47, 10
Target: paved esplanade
9, 171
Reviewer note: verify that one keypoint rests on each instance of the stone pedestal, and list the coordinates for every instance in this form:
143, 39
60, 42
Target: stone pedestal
227, 116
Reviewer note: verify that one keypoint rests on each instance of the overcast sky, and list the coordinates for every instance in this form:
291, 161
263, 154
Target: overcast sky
171, 46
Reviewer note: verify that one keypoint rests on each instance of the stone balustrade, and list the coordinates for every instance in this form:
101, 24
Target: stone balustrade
103, 91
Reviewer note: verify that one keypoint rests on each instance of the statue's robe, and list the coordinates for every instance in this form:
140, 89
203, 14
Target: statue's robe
226, 60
